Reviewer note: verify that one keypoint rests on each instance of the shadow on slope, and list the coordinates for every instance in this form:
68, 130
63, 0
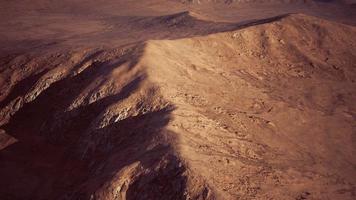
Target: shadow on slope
46, 162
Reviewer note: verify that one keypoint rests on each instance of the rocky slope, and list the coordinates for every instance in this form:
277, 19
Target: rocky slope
181, 108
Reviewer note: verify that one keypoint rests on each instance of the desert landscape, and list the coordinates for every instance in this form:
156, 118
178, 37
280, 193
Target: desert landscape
178, 99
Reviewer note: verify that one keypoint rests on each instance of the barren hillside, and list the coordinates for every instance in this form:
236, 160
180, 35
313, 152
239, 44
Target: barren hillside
177, 100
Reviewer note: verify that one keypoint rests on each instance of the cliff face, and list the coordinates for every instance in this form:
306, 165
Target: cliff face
174, 105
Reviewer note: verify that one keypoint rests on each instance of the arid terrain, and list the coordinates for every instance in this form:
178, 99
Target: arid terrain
177, 99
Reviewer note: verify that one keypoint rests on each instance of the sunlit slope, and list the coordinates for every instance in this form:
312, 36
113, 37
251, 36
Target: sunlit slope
266, 111
255, 110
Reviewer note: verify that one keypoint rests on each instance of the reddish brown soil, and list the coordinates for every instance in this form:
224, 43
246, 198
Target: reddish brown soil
177, 99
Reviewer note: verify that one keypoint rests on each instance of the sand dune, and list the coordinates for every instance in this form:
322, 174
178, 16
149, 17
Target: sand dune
167, 103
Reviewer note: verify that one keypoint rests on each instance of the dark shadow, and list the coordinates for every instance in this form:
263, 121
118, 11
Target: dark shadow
47, 161
60, 95
167, 183
22, 88
87, 58
131, 141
